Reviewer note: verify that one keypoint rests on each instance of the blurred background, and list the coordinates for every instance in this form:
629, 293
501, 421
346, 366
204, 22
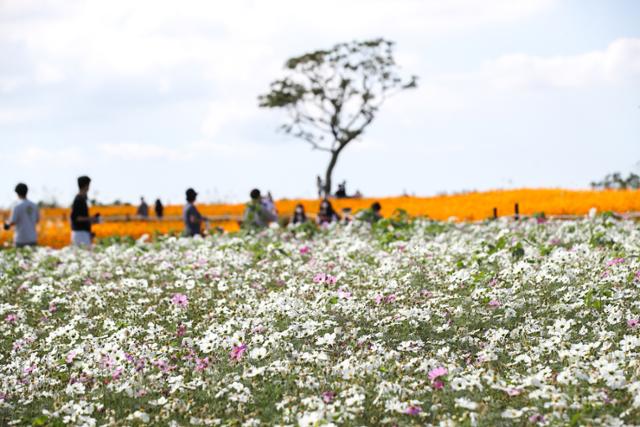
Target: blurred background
152, 97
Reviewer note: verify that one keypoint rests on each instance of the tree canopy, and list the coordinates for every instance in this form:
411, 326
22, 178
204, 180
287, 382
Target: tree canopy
331, 96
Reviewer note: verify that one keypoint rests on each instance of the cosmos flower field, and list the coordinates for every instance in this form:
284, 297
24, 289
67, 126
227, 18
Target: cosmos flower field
406, 323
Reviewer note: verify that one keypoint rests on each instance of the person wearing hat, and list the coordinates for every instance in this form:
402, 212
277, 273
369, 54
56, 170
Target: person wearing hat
191, 216
24, 217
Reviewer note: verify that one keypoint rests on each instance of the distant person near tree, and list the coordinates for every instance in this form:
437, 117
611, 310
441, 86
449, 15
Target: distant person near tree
342, 190
143, 209
80, 220
371, 214
299, 215
320, 185
159, 208
326, 214
191, 216
256, 214
24, 217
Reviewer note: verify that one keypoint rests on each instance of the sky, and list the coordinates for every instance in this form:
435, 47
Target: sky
151, 97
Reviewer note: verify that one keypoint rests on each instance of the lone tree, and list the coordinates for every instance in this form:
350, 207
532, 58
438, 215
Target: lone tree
333, 95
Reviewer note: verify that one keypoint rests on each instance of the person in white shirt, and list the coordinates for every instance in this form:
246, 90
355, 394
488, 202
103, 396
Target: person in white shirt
24, 217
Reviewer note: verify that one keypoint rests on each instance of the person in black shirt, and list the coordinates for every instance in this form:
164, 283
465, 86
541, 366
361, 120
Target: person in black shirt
143, 209
159, 209
80, 219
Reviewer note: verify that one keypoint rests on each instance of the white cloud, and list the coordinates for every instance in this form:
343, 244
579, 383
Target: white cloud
232, 39
16, 115
620, 61
37, 157
221, 114
133, 151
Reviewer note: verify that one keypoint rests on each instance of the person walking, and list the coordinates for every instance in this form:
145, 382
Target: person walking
191, 216
24, 217
256, 215
159, 208
143, 209
80, 220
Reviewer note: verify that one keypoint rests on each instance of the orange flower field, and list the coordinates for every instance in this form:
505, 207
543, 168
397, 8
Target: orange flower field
54, 228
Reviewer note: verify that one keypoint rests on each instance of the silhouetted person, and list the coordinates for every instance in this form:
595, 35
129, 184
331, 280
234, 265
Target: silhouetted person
342, 190
159, 209
24, 217
327, 214
320, 186
256, 215
191, 215
143, 209
299, 215
371, 214
80, 219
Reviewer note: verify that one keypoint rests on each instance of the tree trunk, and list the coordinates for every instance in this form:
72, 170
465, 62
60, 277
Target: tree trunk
332, 164
329, 173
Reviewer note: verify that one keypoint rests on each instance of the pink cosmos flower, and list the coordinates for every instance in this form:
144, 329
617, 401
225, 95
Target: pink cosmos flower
344, 294
638, 274
494, 303
29, 369
328, 396
513, 391
633, 323
378, 298
390, 298
325, 278
413, 410
107, 361
438, 372
536, 418
202, 364
319, 278
615, 261
70, 356
11, 318
53, 308
116, 374
162, 365
438, 385
182, 329
237, 352
180, 300
305, 250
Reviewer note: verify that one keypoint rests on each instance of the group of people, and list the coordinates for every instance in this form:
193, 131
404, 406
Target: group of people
327, 214
259, 213
143, 209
